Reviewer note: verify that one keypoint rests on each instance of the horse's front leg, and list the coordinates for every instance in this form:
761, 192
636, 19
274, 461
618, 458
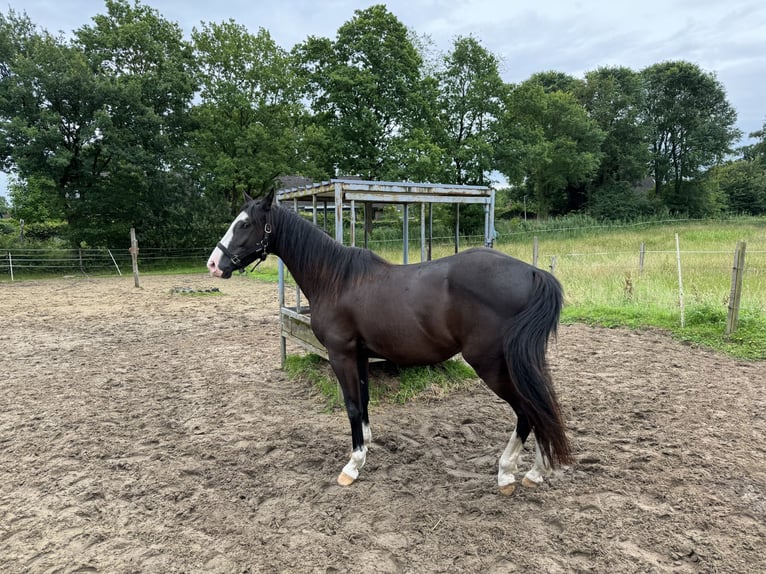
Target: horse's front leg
346, 370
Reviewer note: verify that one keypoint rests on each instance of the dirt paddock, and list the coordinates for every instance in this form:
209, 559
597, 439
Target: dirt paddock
143, 430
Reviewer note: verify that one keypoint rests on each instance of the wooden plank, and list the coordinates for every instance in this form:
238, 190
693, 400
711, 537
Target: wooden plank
394, 197
297, 327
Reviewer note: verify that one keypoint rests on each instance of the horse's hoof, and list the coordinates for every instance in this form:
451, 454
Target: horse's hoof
344, 479
525, 482
508, 489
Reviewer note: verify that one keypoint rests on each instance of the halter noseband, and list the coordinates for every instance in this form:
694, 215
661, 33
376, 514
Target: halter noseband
260, 253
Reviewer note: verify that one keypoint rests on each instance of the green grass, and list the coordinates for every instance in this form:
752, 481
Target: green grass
388, 384
604, 285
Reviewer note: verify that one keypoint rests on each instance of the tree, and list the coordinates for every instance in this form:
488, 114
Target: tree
250, 124
469, 101
614, 99
743, 182
757, 151
740, 185
146, 69
99, 122
553, 81
365, 89
691, 128
548, 143
48, 97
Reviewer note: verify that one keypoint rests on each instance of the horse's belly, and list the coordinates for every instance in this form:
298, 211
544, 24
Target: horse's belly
413, 348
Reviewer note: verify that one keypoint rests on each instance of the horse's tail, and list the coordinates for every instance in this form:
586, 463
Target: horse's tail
526, 343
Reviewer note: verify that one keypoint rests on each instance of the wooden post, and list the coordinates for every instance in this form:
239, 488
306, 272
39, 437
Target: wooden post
736, 288
641, 252
534, 252
134, 255
680, 283
79, 255
10, 264
553, 264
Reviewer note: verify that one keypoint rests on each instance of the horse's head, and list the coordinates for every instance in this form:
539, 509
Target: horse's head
248, 238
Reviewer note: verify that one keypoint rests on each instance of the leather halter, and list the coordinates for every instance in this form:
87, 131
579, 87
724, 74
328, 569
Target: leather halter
260, 253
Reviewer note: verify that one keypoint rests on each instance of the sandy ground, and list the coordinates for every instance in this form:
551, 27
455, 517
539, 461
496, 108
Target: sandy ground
143, 430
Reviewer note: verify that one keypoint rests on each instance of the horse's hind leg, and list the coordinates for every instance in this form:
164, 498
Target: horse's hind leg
497, 378
538, 472
509, 460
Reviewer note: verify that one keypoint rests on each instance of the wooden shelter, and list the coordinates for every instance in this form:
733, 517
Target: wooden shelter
347, 195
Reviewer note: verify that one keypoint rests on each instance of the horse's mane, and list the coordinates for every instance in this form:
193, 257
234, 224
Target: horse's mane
329, 265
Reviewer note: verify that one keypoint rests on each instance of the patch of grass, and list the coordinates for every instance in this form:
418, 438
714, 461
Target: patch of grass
189, 292
388, 384
315, 370
433, 381
704, 325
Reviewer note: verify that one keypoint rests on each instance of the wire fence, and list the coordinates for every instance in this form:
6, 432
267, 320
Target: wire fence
20, 263
605, 275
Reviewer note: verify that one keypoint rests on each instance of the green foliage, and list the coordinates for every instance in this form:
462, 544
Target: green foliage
547, 140
619, 201
250, 123
598, 266
125, 123
614, 98
364, 90
740, 185
99, 136
691, 127
470, 93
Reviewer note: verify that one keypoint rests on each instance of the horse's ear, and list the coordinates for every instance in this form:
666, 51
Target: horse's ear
268, 199
247, 198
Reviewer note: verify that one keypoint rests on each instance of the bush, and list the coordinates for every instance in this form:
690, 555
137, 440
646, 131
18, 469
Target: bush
619, 202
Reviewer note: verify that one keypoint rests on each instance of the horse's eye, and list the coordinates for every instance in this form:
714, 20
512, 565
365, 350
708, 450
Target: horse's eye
245, 225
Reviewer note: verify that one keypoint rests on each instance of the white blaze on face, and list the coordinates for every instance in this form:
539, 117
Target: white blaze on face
215, 256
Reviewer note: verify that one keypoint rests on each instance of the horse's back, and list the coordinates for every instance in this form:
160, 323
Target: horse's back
493, 278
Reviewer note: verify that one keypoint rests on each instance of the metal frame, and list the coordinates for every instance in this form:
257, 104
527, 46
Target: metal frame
295, 320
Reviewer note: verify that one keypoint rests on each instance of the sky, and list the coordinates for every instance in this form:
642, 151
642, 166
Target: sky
727, 38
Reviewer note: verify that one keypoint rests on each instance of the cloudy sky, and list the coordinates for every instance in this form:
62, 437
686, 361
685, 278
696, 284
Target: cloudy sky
727, 38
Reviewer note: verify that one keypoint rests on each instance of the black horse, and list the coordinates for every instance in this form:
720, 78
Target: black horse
497, 311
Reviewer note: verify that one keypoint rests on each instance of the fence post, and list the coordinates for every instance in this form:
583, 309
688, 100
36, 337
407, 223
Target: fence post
10, 264
109, 251
680, 283
736, 288
641, 252
534, 252
553, 264
134, 255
